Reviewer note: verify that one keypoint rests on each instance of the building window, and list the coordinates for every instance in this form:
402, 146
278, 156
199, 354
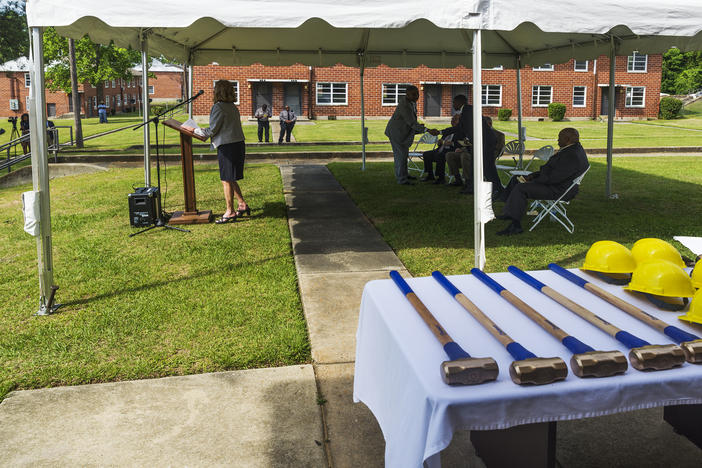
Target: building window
27, 80
492, 95
499, 67
113, 83
26, 103
637, 63
580, 66
94, 102
541, 96
119, 101
544, 67
392, 91
151, 89
635, 96
332, 94
579, 96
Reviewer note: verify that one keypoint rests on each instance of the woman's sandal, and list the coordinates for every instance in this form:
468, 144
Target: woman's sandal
225, 220
247, 210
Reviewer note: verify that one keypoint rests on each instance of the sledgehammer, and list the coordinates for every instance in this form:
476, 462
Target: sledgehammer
586, 362
461, 369
642, 354
690, 344
527, 368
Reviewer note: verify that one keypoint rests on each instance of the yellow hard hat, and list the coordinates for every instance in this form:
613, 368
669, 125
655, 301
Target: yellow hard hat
609, 257
694, 315
651, 248
697, 277
662, 278
610, 261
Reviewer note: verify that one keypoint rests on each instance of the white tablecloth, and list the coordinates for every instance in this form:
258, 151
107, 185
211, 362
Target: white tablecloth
398, 363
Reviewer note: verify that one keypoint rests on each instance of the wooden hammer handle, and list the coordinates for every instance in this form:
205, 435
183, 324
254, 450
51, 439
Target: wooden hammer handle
530, 312
429, 319
630, 309
586, 314
484, 320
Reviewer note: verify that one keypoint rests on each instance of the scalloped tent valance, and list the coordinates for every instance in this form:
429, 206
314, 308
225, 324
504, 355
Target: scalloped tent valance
399, 34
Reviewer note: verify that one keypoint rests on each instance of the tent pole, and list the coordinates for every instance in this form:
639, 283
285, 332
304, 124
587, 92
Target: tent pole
363, 118
610, 116
145, 108
40, 168
190, 90
479, 229
519, 110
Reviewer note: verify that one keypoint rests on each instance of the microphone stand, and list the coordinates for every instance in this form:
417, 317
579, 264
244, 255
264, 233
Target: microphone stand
160, 218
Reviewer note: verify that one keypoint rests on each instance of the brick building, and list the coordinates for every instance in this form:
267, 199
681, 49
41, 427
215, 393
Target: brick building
121, 95
334, 92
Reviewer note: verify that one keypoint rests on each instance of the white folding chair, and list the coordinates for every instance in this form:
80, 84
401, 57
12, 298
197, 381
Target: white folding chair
513, 148
556, 209
544, 154
426, 139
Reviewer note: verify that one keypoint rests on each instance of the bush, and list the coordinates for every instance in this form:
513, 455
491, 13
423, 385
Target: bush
504, 114
670, 108
556, 111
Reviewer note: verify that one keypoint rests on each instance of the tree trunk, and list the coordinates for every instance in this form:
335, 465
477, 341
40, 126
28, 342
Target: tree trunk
75, 97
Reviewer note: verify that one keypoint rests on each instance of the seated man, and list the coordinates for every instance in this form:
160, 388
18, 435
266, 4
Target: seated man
438, 155
464, 159
548, 183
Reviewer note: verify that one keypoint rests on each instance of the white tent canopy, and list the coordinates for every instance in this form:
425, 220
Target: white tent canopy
440, 33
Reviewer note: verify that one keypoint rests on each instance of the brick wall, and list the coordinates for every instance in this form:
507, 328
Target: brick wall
562, 80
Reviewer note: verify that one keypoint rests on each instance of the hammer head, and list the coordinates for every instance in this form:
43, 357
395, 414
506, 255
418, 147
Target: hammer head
598, 363
693, 351
469, 371
538, 371
657, 357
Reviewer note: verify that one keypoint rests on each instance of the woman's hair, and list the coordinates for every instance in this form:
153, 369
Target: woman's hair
24, 115
224, 91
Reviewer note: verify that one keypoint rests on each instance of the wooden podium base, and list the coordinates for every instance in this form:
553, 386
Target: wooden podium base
191, 217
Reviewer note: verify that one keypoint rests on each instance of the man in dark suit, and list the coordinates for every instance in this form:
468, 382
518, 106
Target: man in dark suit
548, 183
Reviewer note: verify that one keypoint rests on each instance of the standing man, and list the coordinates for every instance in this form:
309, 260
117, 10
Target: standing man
263, 114
401, 129
287, 122
102, 112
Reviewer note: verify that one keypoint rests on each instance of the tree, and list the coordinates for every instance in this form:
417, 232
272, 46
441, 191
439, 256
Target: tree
95, 63
682, 72
14, 39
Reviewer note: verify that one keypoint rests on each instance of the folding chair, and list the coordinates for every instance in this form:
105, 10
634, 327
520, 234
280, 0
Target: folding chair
511, 148
427, 139
556, 209
544, 154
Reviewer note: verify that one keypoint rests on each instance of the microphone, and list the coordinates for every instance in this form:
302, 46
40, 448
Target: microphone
200, 92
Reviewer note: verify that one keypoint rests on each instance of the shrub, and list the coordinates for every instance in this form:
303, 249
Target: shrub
670, 108
504, 114
556, 111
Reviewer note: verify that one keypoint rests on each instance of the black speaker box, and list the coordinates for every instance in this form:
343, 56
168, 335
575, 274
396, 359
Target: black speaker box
143, 206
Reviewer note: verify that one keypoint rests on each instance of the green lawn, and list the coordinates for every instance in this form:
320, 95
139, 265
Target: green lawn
593, 134
431, 227
161, 303
686, 131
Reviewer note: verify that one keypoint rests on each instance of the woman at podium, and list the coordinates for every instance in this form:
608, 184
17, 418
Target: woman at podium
227, 136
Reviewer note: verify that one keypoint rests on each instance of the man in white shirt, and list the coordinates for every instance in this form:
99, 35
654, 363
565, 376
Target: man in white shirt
262, 115
287, 122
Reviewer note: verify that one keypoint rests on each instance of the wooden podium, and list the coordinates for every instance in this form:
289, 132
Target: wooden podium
191, 215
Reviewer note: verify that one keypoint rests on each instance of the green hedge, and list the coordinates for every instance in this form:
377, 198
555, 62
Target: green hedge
504, 114
670, 108
556, 111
